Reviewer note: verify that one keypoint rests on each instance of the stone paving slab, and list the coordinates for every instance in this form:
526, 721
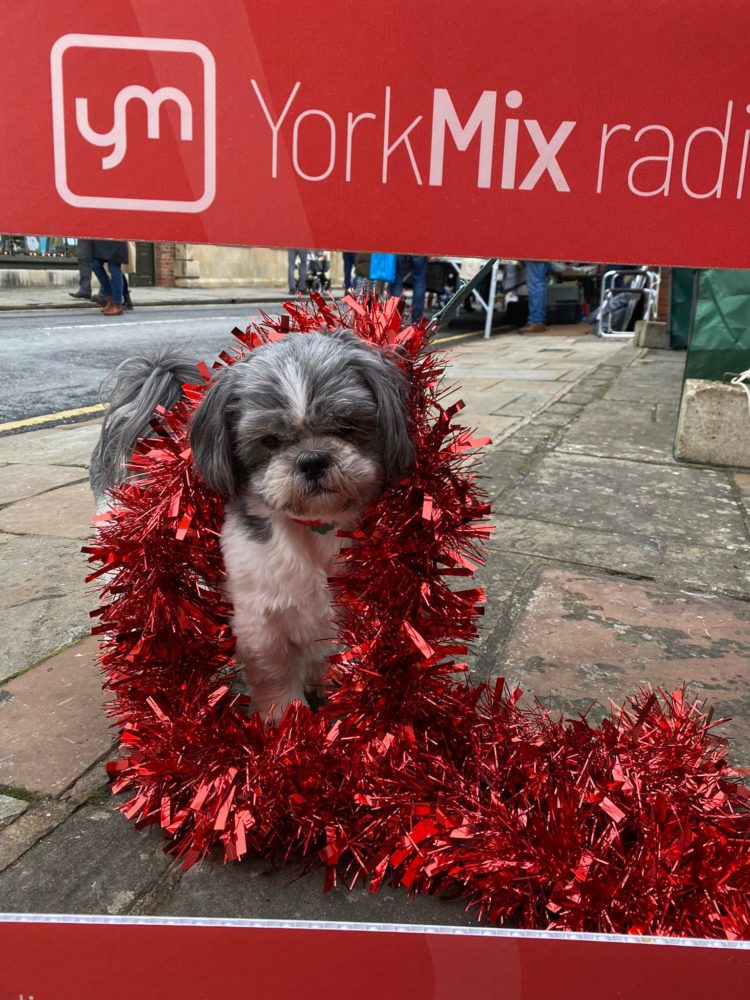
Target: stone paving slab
64, 445
632, 554
530, 402
585, 638
20, 481
742, 483
61, 513
693, 505
95, 863
494, 426
10, 809
52, 724
657, 375
254, 890
546, 374
501, 469
44, 603
20, 836
636, 431
480, 402
699, 567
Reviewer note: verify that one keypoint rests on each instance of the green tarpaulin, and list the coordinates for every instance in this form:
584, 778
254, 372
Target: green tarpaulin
680, 307
720, 335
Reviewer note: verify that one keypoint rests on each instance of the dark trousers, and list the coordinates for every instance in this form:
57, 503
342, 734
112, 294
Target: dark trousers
112, 281
84, 267
349, 259
417, 265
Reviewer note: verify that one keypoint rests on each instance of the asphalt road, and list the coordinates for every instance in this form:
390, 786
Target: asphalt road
55, 360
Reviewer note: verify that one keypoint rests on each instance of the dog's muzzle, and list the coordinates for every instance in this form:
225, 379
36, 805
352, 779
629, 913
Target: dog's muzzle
313, 464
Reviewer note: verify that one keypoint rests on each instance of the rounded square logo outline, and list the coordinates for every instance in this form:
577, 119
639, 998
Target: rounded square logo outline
121, 42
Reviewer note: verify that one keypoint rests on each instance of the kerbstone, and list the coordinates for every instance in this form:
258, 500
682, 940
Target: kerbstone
652, 334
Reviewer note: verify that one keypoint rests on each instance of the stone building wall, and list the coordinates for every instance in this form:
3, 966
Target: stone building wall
208, 266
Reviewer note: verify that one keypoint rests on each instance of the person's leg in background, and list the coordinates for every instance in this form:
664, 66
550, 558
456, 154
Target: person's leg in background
97, 266
419, 286
402, 269
291, 256
349, 259
116, 284
126, 300
302, 283
83, 251
536, 283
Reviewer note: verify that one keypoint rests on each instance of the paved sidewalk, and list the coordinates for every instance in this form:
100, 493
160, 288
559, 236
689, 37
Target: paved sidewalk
612, 567
57, 297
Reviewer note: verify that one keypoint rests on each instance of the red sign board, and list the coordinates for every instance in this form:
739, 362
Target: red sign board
578, 131
121, 960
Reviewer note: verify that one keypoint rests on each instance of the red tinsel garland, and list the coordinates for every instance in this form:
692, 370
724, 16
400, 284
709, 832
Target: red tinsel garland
408, 775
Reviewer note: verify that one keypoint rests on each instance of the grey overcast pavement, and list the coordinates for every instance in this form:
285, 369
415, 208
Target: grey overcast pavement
612, 567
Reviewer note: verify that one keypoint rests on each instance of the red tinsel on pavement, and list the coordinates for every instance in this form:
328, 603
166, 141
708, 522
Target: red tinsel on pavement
408, 775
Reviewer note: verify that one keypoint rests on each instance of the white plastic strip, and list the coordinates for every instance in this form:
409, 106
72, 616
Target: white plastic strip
333, 925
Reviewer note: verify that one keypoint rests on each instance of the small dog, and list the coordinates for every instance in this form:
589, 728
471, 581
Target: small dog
299, 438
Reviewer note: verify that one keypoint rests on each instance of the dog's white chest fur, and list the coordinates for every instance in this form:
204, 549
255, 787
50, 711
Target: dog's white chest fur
282, 609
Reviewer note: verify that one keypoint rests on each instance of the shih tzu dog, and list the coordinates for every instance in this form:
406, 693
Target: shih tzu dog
299, 438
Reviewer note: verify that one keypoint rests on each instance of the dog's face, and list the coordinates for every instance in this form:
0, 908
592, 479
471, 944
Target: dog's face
311, 426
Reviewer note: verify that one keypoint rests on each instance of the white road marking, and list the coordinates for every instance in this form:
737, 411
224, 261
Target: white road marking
142, 322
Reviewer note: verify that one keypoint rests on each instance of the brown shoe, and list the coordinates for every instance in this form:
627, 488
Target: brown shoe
113, 309
533, 328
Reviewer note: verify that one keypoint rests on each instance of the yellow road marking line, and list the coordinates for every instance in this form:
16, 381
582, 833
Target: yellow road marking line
46, 418
458, 336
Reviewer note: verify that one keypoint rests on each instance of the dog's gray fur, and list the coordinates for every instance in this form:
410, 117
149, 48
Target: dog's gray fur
136, 387
353, 391
258, 529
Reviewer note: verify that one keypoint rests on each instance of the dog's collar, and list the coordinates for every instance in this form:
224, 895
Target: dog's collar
321, 527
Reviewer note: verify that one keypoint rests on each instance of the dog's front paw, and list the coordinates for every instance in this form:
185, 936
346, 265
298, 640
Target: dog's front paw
316, 696
272, 708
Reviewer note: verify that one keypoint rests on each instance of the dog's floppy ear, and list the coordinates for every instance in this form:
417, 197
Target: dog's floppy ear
211, 437
388, 383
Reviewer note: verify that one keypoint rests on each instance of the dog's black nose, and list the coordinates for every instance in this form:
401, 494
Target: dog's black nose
313, 463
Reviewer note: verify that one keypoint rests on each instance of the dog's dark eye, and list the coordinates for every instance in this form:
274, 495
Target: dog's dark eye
270, 441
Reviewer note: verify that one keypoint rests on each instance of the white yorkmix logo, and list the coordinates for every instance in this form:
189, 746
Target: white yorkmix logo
118, 137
